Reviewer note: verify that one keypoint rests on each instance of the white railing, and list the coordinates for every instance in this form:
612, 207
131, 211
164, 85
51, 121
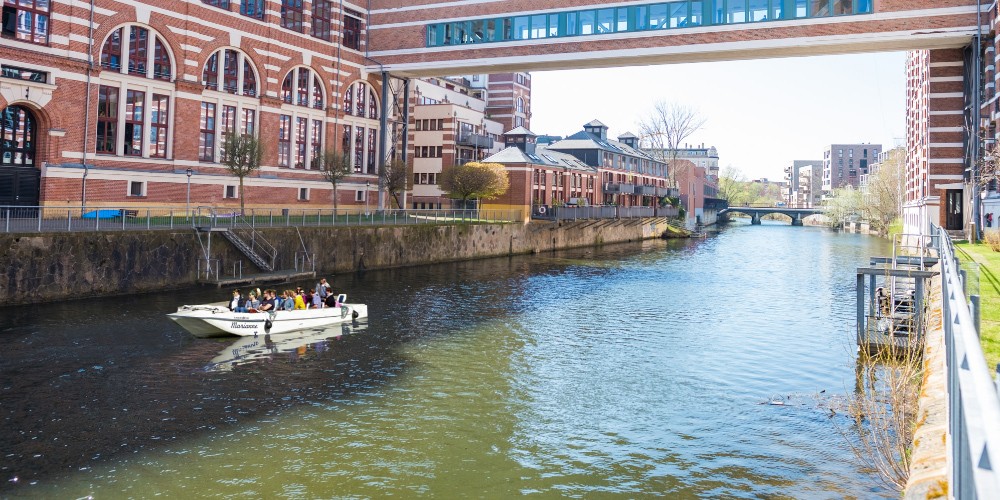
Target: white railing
16, 219
974, 400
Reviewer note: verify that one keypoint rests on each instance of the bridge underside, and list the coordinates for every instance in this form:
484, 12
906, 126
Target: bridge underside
401, 47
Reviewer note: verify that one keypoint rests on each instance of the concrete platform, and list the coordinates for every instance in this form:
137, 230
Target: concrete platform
255, 279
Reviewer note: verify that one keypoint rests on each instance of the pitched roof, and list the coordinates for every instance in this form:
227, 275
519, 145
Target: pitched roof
542, 156
520, 130
586, 140
596, 123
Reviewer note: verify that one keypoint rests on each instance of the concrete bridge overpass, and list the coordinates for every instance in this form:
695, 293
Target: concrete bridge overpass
755, 213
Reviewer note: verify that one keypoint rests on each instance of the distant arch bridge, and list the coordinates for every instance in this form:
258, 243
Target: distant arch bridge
757, 211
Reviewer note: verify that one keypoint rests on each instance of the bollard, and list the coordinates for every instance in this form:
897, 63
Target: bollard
69, 220
39, 220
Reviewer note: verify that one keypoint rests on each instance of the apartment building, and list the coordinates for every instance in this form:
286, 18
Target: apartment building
844, 164
448, 126
805, 183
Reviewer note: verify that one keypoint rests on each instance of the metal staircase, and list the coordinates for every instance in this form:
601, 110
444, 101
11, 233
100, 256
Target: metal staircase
252, 243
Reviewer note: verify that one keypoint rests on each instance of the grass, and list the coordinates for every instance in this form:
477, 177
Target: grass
989, 296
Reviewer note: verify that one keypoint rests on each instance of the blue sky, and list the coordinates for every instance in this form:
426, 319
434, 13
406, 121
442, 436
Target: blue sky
760, 114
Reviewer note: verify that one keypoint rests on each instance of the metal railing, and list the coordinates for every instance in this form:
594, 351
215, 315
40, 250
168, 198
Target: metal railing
601, 212
255, 242
17, 219
974, 398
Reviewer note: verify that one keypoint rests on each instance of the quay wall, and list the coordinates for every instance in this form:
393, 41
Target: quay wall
45, 267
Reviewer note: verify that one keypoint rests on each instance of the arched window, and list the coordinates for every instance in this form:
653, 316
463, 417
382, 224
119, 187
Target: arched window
360, 100
134, 50
520, 105
230, 70
303, 87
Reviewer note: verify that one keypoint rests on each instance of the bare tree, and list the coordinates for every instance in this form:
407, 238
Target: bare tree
394, 177
668, 124
475, 180
989, 167
335, 166
242, 155
883, 192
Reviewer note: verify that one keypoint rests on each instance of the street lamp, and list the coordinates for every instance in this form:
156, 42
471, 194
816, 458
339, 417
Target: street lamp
368, 186
189, 173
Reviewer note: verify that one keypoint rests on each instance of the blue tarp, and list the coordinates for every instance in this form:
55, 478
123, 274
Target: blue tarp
103, 214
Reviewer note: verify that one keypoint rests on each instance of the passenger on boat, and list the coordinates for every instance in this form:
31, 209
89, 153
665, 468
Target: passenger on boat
331, 301
300, 302
307, 298
252, 302
322, 289
317, 300
288, 304
268, 303
238, 303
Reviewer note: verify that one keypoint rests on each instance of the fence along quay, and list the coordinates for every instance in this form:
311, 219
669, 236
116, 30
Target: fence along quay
892, 308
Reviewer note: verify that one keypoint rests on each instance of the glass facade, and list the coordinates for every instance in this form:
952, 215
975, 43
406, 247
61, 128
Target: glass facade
649, 17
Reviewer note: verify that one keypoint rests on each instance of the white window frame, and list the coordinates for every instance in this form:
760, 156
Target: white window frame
142, 189
360, 195
225, 192
303, 194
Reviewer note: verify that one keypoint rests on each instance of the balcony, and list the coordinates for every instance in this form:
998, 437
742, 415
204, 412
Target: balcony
646, 190
471, 140
610, 188
665, 191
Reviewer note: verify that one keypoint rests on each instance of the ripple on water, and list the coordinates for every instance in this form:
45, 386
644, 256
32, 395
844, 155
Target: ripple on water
634, 370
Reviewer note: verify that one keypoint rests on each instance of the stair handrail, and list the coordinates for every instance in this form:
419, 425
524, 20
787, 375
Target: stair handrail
245, 231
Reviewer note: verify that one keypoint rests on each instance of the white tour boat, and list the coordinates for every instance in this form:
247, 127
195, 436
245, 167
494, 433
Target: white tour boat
214, 320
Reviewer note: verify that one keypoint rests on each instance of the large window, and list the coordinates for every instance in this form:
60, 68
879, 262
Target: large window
26, 20
231, 71
352, 30
134, 50
321, 15
222, 4
284, 140
158, 125
360, 138
291, 14
652, 16
135, 105
303, 87
206, 139
107, 119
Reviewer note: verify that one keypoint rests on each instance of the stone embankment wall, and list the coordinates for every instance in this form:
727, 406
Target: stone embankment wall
929, 458
54, 266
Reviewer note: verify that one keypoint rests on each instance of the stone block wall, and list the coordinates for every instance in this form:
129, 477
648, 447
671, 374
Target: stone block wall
48, 267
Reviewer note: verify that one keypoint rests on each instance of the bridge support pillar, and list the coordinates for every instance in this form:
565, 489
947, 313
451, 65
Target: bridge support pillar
755, 218
797, 220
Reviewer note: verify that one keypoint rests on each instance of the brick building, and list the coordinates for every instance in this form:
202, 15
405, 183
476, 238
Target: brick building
540, 177
117, 102
448, 126
844, 164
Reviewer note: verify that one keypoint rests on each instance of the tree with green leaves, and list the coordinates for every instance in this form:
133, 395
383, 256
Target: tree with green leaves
475, 180
335, 166
394, 177
242, 155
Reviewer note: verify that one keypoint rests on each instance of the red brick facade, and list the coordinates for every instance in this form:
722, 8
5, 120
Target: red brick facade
190, 33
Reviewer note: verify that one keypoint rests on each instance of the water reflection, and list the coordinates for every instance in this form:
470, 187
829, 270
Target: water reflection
253, 348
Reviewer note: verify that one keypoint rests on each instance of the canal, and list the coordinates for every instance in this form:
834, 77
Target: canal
629, 370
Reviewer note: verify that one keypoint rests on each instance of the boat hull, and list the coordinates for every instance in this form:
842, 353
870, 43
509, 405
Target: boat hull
212, 320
